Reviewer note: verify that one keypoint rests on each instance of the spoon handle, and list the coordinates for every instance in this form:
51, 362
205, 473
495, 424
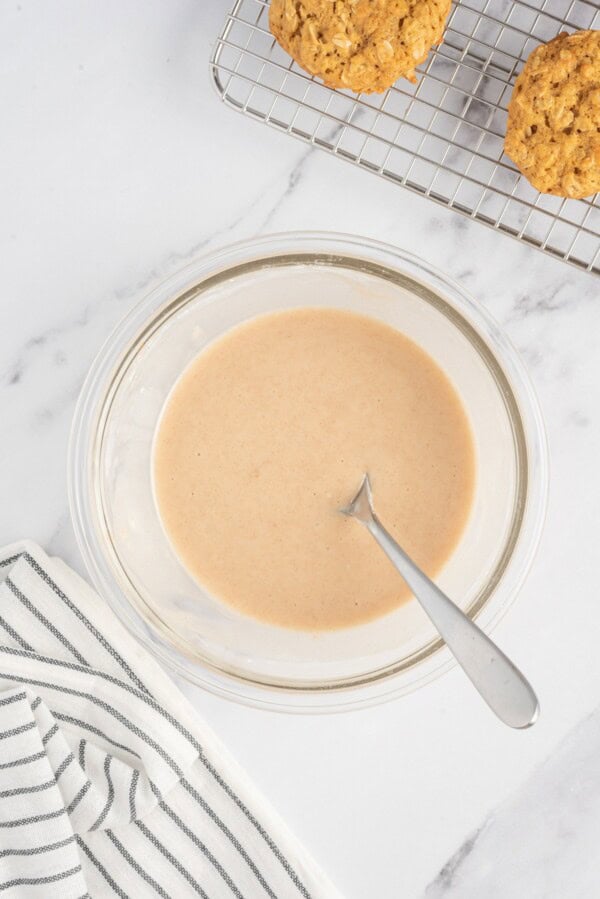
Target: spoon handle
500, 683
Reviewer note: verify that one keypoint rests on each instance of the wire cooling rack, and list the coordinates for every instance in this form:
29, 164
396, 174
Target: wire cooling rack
442, 137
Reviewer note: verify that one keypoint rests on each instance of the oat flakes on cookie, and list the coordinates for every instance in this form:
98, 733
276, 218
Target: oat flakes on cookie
553, 131
363, 45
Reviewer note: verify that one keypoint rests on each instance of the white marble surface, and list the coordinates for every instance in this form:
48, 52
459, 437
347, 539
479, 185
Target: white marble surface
117, 164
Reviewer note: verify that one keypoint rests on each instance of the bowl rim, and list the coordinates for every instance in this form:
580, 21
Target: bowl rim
81, 467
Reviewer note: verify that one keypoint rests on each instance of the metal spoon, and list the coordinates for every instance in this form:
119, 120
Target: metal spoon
498, 681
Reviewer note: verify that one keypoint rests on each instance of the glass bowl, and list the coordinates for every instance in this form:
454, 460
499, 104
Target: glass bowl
130, 560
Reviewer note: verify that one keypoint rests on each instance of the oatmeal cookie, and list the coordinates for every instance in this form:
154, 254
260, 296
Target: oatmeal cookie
363, 45
553, 131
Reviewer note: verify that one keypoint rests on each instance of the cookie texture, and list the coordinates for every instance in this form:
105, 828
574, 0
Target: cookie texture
553, 131
362, 45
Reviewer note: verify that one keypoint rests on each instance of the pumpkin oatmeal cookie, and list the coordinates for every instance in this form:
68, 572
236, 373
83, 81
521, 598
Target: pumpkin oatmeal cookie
363, 45
553, 131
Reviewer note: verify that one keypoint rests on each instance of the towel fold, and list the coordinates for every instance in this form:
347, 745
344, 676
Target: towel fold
110, 784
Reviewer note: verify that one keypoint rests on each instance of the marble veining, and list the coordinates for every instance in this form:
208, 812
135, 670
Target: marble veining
118, 165
558, 807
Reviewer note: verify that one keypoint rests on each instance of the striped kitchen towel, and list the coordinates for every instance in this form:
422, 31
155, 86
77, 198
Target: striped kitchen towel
110, 784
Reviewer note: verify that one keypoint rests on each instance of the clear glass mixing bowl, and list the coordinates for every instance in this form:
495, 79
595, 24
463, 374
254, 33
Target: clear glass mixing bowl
131, 562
